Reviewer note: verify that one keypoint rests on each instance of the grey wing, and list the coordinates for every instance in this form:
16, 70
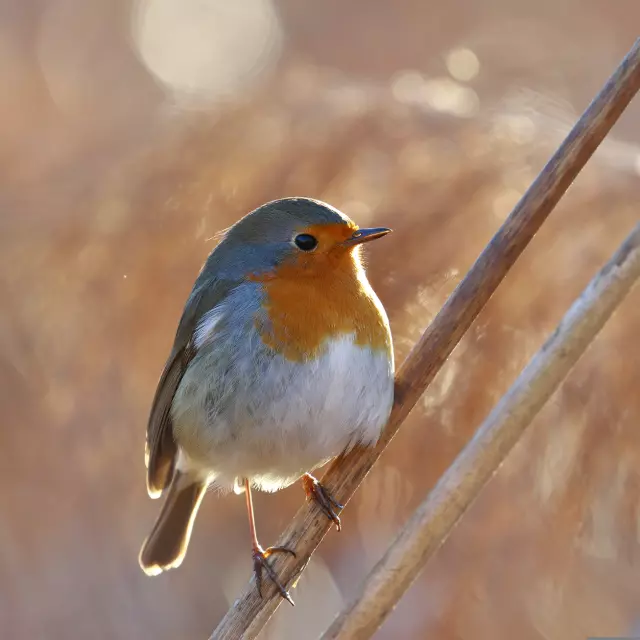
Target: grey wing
160, 450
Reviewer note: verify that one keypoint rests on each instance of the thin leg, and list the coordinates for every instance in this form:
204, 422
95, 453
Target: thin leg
260, 555
316, 492
252, 518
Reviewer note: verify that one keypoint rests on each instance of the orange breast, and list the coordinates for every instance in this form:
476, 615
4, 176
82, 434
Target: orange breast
314, 297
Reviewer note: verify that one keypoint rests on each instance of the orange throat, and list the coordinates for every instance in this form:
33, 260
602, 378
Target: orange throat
312, 299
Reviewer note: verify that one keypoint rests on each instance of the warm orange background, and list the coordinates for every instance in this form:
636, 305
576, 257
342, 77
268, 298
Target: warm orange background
130, 134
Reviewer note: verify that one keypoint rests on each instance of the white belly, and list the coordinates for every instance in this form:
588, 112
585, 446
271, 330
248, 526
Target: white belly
283, 418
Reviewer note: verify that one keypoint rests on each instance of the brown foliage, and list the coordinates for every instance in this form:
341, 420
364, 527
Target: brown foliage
108, 208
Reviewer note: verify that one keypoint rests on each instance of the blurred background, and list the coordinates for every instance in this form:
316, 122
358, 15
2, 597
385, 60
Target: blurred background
131, 132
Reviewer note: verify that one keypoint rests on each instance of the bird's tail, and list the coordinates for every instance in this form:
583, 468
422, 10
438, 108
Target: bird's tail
167, 543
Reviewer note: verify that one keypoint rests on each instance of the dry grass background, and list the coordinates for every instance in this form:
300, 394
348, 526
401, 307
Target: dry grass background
111, 191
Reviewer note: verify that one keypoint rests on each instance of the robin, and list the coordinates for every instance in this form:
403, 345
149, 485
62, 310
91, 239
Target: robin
282, 360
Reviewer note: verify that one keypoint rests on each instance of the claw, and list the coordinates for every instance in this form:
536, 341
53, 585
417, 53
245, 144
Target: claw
316, 492
260, 557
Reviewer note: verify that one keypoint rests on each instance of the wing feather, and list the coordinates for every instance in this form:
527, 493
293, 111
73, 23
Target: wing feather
161, 449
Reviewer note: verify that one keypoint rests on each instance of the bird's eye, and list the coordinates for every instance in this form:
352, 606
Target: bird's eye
305, 242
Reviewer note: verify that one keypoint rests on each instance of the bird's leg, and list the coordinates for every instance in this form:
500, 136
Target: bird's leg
260, 555
316, 492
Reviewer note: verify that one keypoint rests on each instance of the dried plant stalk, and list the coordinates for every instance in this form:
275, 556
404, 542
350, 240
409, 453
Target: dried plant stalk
249, 613
434, 519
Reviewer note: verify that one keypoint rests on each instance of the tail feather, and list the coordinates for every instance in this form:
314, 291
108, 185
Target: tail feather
167, 543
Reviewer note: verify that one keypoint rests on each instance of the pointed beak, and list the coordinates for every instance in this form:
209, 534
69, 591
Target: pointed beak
365, 235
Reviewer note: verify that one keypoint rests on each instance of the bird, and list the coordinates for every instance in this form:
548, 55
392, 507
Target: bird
282, 360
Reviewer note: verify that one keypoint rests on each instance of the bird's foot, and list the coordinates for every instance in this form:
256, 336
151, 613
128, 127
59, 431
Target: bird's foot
260, 557
316, 492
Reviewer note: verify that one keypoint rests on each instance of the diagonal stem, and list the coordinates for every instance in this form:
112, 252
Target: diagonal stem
434, 519
249, 614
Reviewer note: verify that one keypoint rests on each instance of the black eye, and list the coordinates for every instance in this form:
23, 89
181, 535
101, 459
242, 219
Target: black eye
305, 242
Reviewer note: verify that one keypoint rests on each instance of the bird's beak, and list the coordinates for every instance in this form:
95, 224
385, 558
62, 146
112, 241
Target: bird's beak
365, 235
